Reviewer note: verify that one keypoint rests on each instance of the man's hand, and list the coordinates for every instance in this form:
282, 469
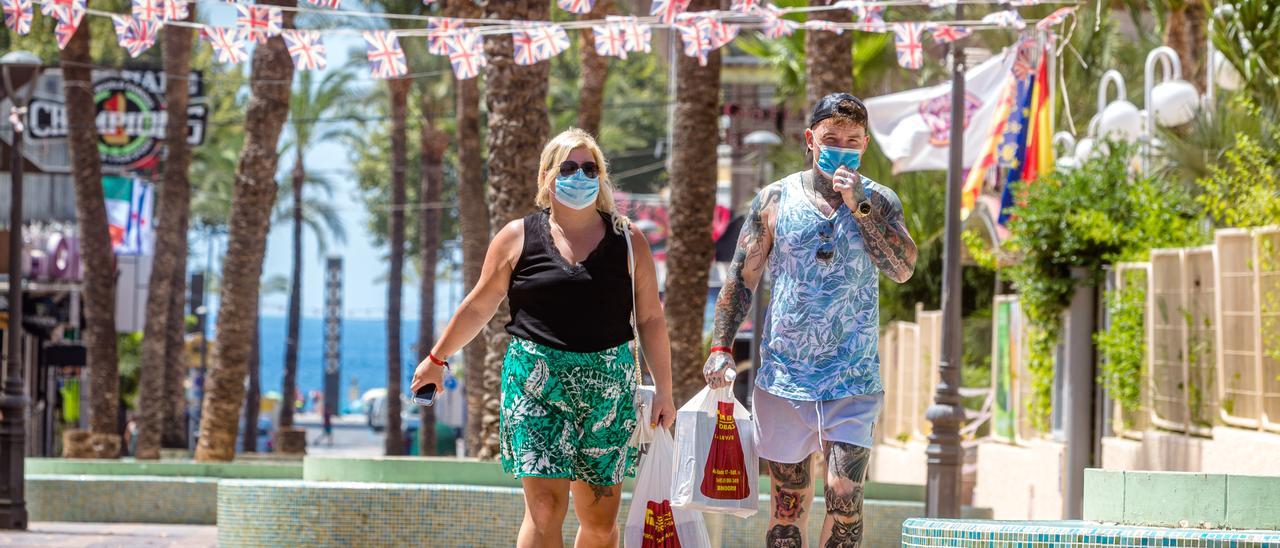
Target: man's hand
719, 369
849, 185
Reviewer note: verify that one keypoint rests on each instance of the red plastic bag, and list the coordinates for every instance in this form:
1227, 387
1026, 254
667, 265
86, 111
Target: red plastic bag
660, 526
725, 475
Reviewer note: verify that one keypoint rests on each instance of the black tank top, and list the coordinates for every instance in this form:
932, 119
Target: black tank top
577, 308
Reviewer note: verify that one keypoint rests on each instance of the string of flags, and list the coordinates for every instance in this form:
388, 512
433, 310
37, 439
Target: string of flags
534, 41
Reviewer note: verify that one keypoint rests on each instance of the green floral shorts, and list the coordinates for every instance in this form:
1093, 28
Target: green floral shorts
568, 414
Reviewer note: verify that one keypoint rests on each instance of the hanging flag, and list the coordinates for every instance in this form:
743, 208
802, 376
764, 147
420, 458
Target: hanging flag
1011, 150
335, 4
439, 35
775, 26
667, 10
118, 198
306, 48
386, 59
139, 238
1055, 18
135, 35
579, 7
610, 40
466, 54
549, 40
259, 22
870, 16
1039, 156
18, 16
228, 44
946, 34
936, 4
906, 39
819, 24
522, 48
65, 29
703, 33
62, 10
914, 127
1006, 19
747, 6
150, 10
176, 10
637, 38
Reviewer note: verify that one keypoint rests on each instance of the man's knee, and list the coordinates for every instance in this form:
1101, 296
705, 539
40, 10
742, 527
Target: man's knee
846, 468
791, 476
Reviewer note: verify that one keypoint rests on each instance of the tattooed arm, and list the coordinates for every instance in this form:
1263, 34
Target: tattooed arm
884, 230
754, 244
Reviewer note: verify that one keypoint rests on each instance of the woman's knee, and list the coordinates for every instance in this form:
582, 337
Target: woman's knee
546, 508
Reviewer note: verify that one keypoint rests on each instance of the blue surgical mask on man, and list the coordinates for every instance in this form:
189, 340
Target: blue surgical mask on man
577, 191
831, 158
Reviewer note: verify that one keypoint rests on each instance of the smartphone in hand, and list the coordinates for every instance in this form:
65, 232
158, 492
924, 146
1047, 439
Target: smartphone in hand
425, 396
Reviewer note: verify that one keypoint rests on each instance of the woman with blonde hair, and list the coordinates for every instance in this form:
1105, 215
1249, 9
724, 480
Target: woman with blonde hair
569, 377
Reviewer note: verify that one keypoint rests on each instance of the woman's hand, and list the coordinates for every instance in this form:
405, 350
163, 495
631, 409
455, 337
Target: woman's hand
664, 410
427, 373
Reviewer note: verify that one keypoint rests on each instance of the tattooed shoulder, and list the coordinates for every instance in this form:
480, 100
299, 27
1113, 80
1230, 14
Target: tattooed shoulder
885, 200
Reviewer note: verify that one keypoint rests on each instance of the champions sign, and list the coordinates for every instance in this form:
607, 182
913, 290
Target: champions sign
131, 115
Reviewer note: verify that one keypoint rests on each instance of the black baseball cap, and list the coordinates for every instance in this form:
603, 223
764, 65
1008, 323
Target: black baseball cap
830, 105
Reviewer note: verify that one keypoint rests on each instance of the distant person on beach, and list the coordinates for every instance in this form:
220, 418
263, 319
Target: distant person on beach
569, 376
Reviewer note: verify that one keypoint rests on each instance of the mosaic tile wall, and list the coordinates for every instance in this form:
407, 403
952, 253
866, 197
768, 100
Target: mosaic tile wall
301, 513
121, 499
1044, 534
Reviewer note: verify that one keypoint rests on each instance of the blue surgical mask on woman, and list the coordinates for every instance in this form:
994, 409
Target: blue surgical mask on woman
576, 190
831, 158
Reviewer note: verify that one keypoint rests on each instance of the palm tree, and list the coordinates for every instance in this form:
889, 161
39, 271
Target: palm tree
595, 71
315, 98
254, 195
828, 65
95, 245
693, 197
399, 97
518, 126
168, 271
432, 145
473, 218
253, 397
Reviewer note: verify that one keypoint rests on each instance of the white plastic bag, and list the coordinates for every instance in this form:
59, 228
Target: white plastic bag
648, 523
724, 482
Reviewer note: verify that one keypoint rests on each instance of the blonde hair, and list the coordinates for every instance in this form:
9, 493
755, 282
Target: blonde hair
556, 152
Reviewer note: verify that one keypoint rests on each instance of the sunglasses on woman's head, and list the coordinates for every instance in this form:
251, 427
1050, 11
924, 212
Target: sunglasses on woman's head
569, 167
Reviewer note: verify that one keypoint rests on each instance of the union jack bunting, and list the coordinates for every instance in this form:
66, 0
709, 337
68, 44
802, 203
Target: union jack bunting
703, 33
667, 10
636, 37
135, 35
466, 54
332, 4
1006, 18
386, 59
871, 16
946, 34
548, 40
576, 6
66, 28
61, 9
306, 48
438, 34
18, 15
935, 4
610, 40
259, 22
1056, 17
747, 6
1024, 61
775, 26
906, 39
150, 10
228, 44
176, 10
819, 24
522, 48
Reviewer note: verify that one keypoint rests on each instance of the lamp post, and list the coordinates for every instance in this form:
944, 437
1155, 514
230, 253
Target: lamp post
942, 491
1172, 102
18, 68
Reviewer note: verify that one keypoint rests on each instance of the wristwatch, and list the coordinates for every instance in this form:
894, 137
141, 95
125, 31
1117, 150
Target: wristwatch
863, 209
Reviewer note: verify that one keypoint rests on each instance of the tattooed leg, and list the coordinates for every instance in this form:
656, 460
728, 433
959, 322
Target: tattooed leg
597, 510
846, 470
791, 490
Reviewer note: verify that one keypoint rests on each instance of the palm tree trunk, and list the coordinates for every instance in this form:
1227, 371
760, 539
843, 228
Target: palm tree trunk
174, 432
395, 276
1194, 63
595, 71
473, 220
95, 244
693, 198
289, 390
828, 64
170, 253
433, 144
251, 203
1177, 36
252, 398
518, 126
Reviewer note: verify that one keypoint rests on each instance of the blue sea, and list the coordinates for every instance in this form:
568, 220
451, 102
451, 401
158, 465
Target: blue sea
363, 354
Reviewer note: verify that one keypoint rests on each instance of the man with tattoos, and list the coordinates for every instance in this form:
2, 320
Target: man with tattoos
825, 234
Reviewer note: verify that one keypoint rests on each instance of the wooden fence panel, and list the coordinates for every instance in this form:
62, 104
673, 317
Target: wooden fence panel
930, 324
1238, 355
1267, 253
1182, 333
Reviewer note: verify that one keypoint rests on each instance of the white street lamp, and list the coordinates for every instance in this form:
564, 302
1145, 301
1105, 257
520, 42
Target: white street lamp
1085, 147
1172, 102
1119, 119
1063, 140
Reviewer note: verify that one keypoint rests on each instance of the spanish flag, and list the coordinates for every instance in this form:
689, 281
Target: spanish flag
1036, 155
987, 156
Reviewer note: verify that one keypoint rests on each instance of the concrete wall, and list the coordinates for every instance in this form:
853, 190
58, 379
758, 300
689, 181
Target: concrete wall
1229, 451
1021, 482
905, 464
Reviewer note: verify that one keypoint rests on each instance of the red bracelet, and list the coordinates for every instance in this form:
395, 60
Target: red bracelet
724, 349
437, 361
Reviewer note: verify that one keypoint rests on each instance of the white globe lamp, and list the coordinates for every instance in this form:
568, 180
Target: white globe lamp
1118, 119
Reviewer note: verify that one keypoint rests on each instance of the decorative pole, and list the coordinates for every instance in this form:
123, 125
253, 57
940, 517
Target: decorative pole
332, 336
942, 493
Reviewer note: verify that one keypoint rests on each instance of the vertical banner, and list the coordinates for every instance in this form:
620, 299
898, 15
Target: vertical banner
333, 336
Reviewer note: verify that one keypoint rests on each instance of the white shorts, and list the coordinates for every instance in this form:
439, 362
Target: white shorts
788, 431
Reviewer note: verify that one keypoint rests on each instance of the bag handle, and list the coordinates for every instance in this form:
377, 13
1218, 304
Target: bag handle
631, 271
